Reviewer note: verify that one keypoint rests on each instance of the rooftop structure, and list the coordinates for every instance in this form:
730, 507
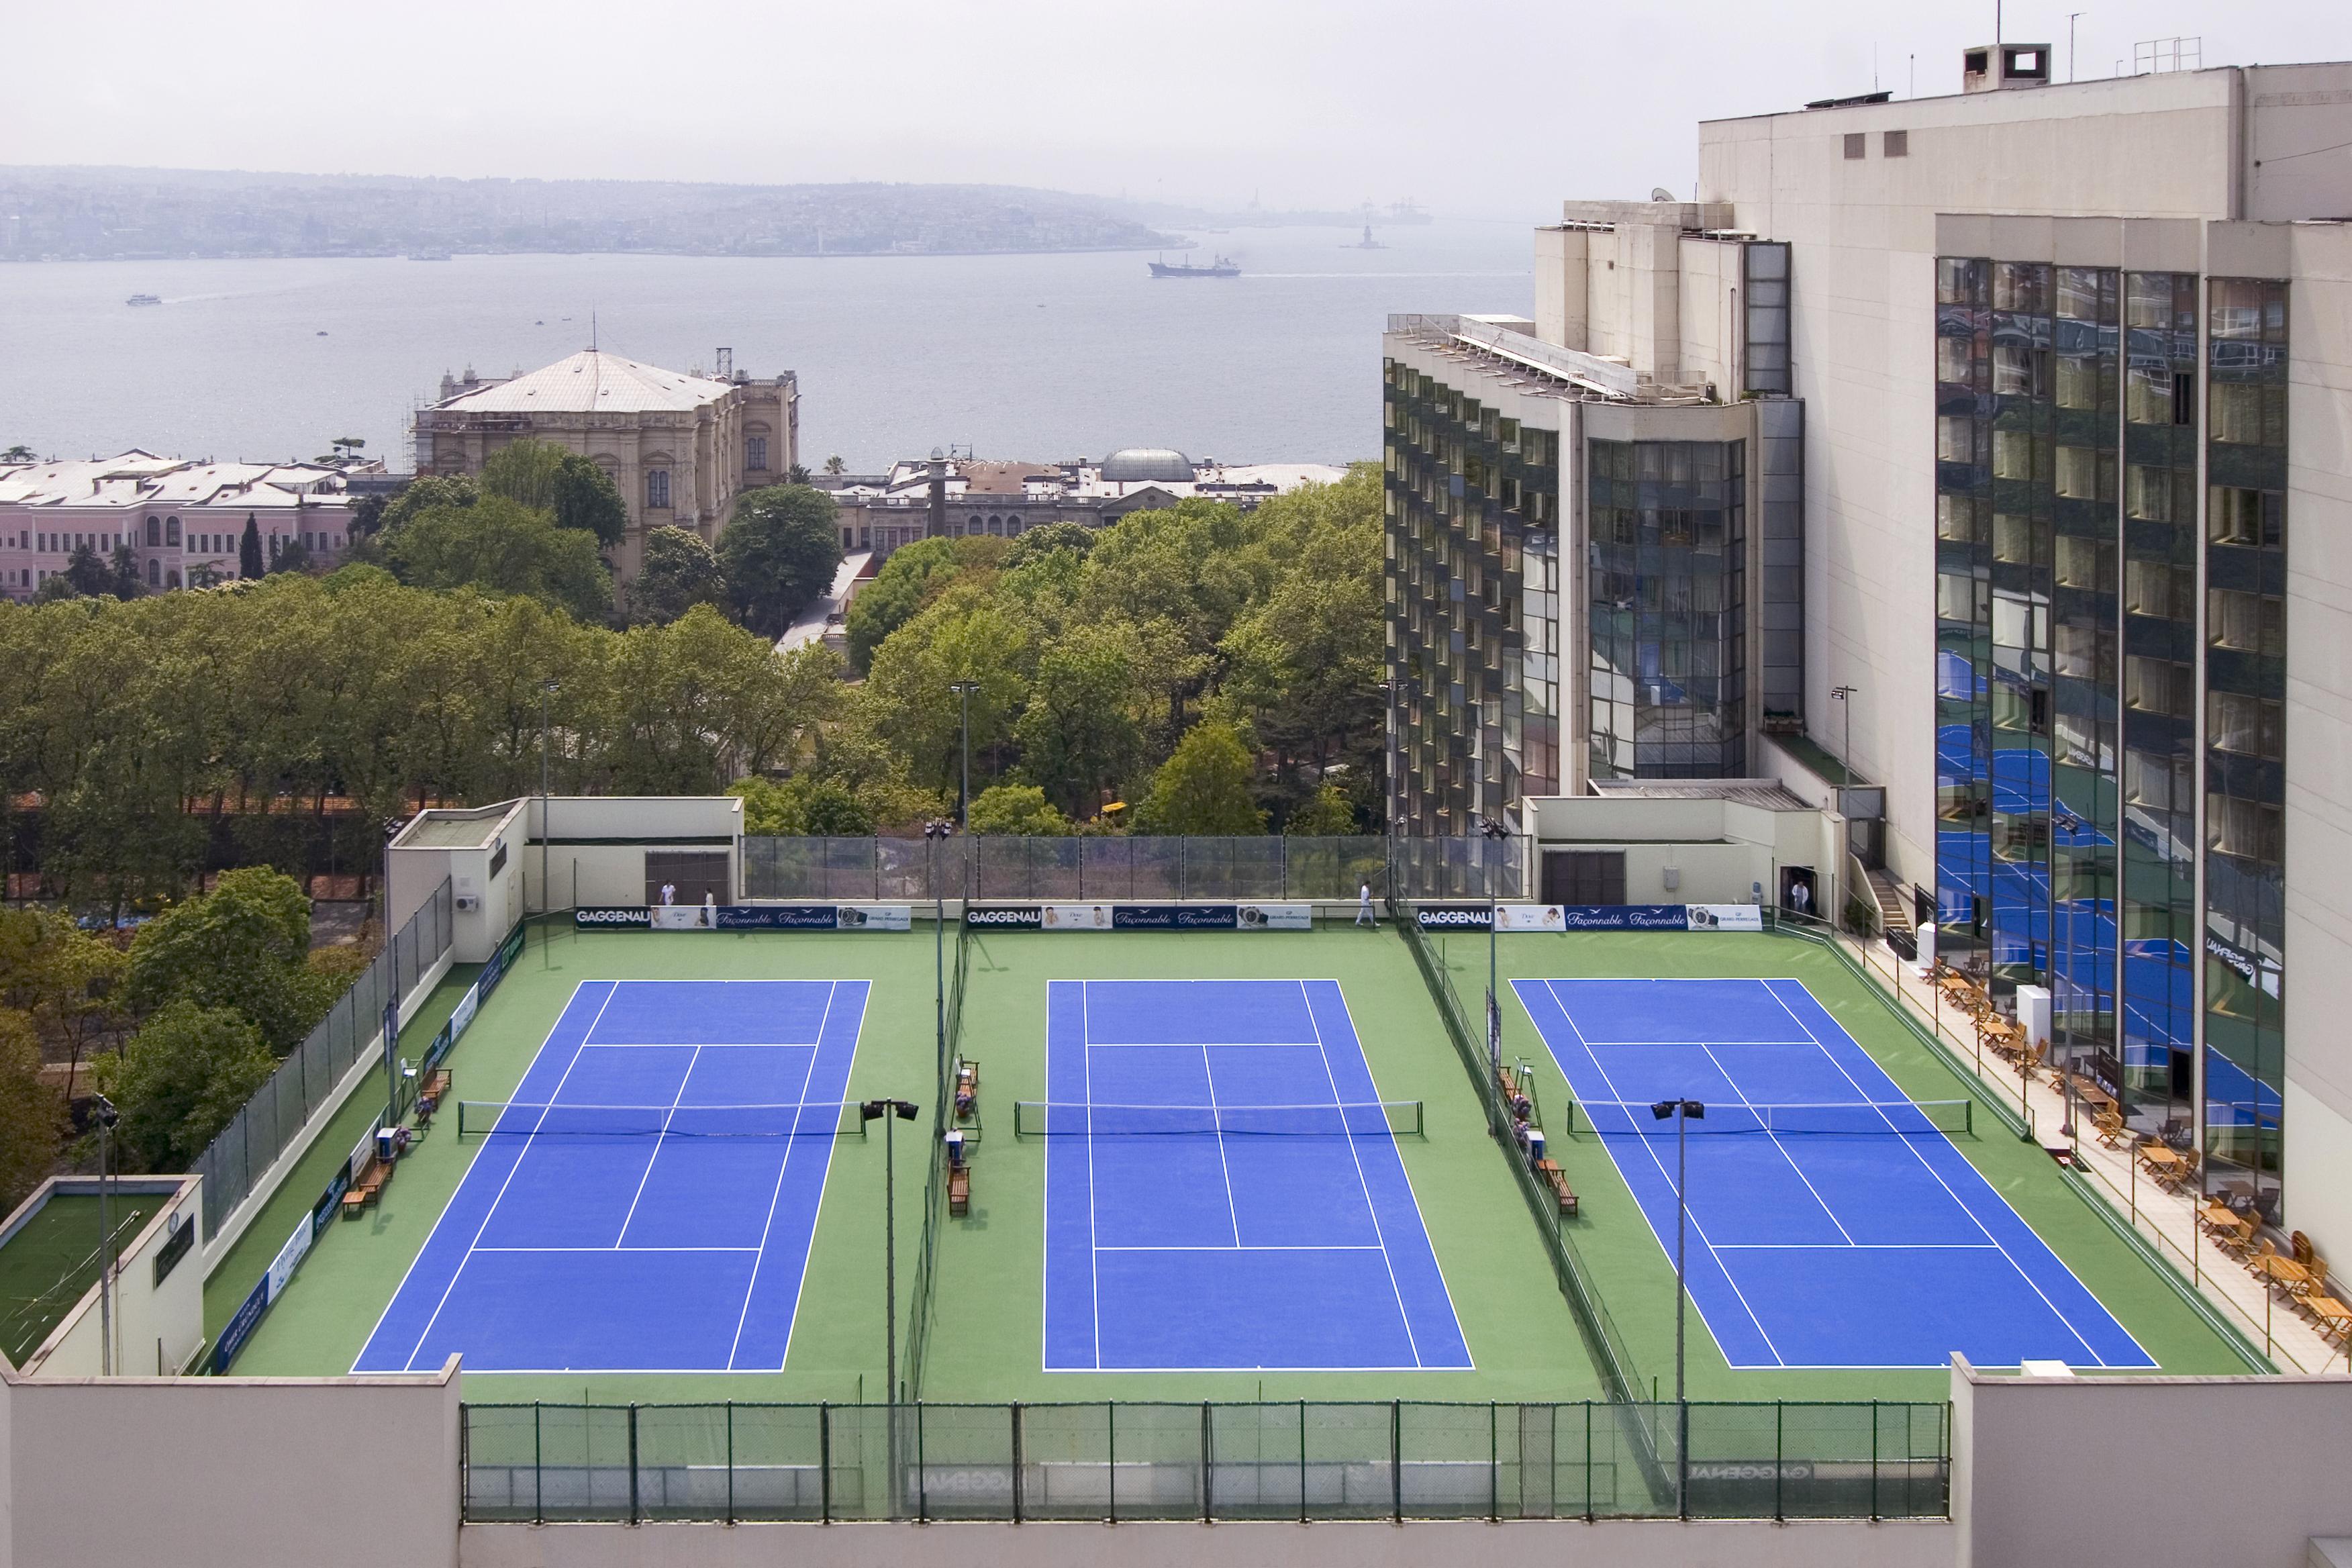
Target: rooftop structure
678, 447
181, 518
955, 496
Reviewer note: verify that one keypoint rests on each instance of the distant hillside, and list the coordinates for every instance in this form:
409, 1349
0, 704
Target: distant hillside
89, 214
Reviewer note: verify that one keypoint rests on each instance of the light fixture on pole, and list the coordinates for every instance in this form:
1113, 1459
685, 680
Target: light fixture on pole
2064, 818
934, 833
1495, 833
1684, 1112
964, 688
103, 1112
889, 1112
546, 892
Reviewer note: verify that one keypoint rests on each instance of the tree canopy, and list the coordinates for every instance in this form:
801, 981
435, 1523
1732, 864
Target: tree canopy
778, 553
502, 546
1204, 788
678, 571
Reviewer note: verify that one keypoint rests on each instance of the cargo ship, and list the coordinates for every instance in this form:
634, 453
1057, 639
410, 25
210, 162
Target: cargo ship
1223, 267
145, 299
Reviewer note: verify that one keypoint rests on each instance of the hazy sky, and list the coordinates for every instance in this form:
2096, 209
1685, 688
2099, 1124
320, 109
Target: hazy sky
1477, 108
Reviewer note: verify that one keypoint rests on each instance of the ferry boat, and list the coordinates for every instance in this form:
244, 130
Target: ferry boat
1223, 267
145, 299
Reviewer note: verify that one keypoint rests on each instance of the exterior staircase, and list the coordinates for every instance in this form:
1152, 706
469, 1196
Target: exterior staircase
1893, 903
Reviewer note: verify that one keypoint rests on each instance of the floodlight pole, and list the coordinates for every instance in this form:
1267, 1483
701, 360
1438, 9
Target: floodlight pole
2070, 824
1683, 1111
546, 889
964, 688
107, 1116
889, 1112
932, 833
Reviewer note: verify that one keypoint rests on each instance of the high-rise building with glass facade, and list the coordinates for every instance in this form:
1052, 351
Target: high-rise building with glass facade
2018, 425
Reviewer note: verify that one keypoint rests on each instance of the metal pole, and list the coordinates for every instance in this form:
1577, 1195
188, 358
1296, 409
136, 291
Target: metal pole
1682, 1400
890, 1263
547, 888
105, 1259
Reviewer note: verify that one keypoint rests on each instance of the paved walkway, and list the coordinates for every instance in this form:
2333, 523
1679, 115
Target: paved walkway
2169, 1220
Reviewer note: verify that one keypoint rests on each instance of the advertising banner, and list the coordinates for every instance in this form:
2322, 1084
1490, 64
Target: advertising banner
1075, 916
1173, 917
1724, 917
1276, 917
1624, 916
1454, 917
684, 916
619, 916
877, 917
1528, 917
240, 1325
776, 916
281, 1268
1003, 917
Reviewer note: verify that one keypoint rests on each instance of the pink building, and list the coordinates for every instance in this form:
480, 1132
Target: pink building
181, 518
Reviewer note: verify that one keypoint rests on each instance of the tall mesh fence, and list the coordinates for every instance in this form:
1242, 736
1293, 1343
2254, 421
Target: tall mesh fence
1269, 867
1301, 1460
270, 1120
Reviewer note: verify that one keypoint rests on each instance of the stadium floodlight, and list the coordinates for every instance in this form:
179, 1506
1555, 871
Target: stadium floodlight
1684, 1112
889, 1112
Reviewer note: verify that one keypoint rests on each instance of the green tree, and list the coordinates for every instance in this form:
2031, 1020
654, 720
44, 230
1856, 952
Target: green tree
834, 465
1204, 789
123, 572
32, 1112
244, 946
19, 453
526, 472
680, 571
180, 1081
1324, 813
63, 976
249, 563
915, 574
427, 492
502, 547
1044, 541
88, 573
587, 499
1079, 734
778, 553
55, 587
1017, 809
801, 806
962, 637
292, 555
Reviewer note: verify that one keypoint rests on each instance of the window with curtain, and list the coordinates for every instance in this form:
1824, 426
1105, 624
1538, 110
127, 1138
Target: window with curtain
2248, 726
2247, 623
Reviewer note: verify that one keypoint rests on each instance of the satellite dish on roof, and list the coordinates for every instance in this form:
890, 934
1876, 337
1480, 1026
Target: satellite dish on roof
1660, 194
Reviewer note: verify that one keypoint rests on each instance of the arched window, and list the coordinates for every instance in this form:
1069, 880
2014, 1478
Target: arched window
172, 534
973, 525
155, 532
1012, 522
154, 567
171, 578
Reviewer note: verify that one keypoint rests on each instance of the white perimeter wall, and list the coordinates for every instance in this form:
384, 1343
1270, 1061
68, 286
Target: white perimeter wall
1616, 1543
2148, 1470
203, 1472
151, 1323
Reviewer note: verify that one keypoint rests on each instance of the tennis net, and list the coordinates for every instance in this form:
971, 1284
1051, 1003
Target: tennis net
1054, 1119
518, 1119
1845, 1119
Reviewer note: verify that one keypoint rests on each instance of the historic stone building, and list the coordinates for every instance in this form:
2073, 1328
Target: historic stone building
680, 447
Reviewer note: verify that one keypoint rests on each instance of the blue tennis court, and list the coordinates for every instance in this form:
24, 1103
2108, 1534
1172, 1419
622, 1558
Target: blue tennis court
1223, 1190
645, 1201
1830, 1224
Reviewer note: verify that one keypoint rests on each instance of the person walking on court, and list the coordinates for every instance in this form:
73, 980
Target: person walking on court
669, 894
1364, 915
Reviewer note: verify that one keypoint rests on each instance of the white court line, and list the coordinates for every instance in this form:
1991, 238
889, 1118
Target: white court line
1858, 1246
1749, 1105
1094, 1249
1372, 1204
639, 1196
1251, 1247
824, 1177
751, 1287
617, 1249
1209, 1073
1552, 988
2031, 1283
700, 1045
520, 1155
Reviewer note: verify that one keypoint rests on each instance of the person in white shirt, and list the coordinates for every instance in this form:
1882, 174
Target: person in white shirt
669, 894
1364, 915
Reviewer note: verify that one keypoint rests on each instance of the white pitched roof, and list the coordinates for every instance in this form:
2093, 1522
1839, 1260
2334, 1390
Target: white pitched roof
593, 381
139, 479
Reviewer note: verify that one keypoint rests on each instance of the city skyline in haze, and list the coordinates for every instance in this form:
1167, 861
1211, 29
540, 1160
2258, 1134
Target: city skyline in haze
1307, 104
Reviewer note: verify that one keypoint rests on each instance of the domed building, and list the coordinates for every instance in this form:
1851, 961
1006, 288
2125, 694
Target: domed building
1147, 465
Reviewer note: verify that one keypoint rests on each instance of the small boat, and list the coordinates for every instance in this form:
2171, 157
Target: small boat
1367, 242
1222, 267
429, 255
145, 299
